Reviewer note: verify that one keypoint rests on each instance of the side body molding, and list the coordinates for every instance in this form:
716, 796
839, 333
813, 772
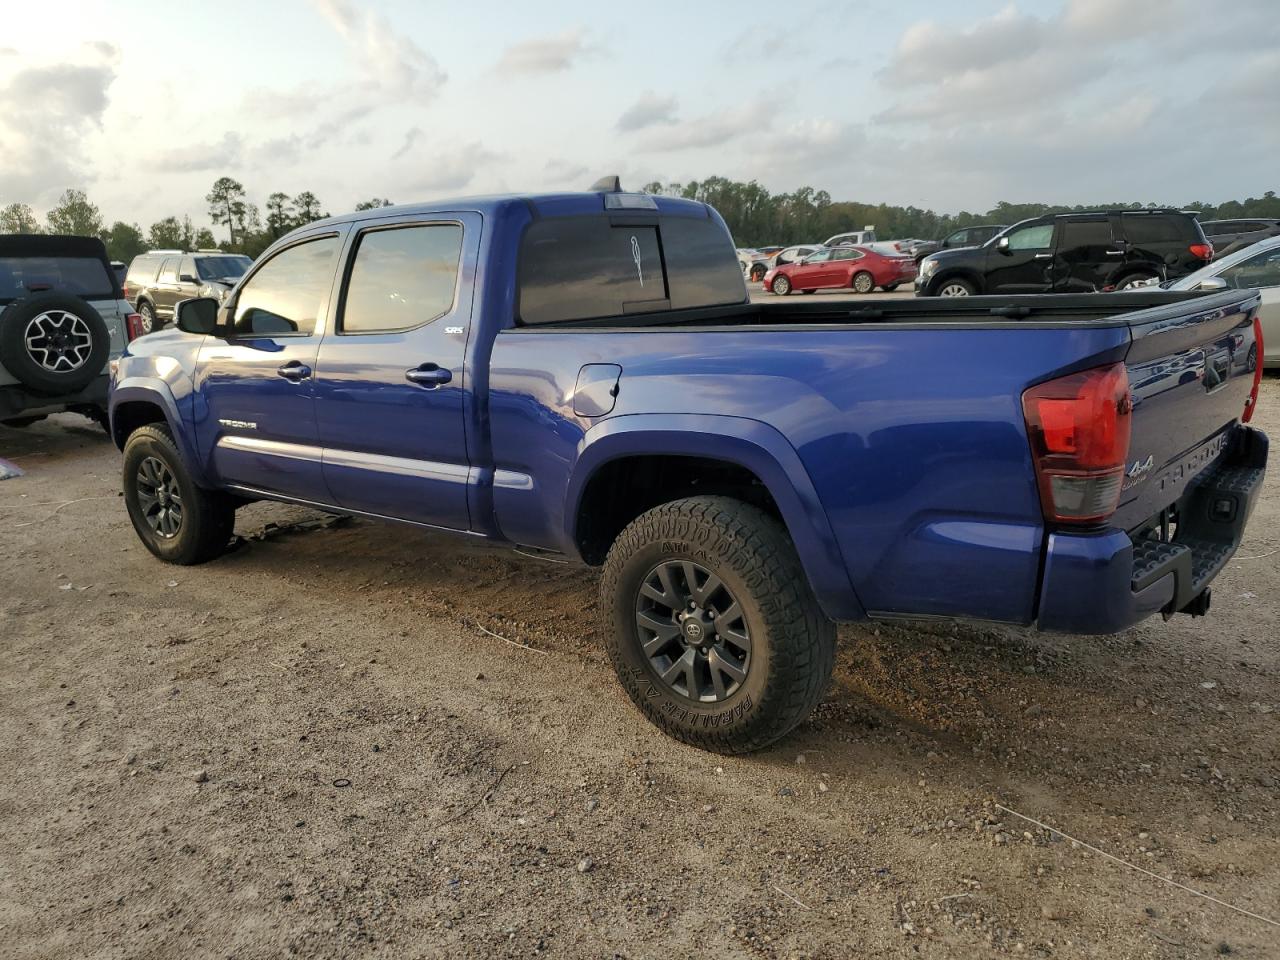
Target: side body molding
748, 443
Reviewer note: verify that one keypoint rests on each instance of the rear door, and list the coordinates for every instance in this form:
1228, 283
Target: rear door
1084, 255
392, 373
165, 292
255, 407
1026, 266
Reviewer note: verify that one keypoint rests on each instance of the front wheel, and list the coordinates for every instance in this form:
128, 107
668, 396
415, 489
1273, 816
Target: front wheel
863, 282
176, 520
781, 285
711, 624
956, 288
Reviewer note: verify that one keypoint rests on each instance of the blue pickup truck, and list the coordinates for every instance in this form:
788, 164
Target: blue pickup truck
585, 374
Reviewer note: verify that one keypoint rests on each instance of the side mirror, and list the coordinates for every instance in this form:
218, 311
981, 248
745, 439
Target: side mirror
1003, 246
187, 278
198, 315
1212, 284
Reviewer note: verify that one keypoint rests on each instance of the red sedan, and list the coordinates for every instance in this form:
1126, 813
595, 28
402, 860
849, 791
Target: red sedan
859, 268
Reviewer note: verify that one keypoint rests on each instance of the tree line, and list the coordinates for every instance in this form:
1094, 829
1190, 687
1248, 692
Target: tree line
248, 232
754, 215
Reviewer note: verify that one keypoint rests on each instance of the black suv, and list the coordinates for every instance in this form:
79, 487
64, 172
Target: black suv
1072, 253
158, 279
974, 236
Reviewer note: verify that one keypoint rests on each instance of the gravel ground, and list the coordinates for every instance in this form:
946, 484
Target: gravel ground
313, 747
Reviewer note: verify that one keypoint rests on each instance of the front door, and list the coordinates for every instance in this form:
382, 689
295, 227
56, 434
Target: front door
391, 376
255, 405
1025, 265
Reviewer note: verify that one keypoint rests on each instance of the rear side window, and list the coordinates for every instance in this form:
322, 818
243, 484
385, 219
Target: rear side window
1147, 228
143, 270
285, 295
579, 268
169, 271
1085, 239
402, 278
83, 276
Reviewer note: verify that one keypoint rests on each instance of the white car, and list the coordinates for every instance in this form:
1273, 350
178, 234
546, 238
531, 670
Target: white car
1254, 267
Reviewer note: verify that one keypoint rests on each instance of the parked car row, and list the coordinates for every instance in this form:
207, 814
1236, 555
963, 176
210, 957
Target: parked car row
158, 279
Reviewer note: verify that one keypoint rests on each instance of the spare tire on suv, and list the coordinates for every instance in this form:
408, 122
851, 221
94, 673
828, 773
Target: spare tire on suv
54, 343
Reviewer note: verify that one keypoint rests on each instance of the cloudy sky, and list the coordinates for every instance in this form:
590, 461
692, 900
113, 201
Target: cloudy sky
939, 104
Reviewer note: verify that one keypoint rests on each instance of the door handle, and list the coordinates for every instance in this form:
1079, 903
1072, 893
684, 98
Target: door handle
294, 370
428, 375
1044, 256
1115, 253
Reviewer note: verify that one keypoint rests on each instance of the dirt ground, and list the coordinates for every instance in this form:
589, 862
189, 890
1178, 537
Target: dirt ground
310, 747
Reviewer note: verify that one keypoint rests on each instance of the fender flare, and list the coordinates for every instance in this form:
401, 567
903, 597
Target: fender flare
751, 444
156, 392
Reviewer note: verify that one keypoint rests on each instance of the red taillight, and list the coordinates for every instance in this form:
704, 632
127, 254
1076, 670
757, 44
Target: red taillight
133, 327
1252, 403
1078, 426
1202, 251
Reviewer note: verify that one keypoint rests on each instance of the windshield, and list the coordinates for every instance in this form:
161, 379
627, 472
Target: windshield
83, 276
1223, 268
213, 268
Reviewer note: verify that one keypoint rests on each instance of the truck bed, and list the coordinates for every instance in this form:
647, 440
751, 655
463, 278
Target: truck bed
1093, 309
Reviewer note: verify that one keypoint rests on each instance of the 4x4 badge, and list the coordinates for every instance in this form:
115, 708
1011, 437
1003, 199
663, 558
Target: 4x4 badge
1139, 469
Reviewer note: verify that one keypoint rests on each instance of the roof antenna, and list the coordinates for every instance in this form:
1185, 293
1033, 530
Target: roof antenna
610, 184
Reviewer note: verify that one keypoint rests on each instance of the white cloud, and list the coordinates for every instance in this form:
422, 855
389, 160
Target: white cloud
195, 157
393, 63
711, 130
46, 112
551, 54
447, 171
650, 109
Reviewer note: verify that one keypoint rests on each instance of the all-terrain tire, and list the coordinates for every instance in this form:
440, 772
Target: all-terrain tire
792, 643
206, 516
53, 342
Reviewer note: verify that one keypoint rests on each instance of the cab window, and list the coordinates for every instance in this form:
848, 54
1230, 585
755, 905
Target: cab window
284, 297
1036, 237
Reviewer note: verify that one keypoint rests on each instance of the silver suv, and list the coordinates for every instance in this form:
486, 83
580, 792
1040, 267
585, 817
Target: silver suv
63, 318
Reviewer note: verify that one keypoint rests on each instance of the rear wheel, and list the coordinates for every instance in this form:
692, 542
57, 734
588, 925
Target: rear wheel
1135, 280
147, 317
863, 282
176, 520
781, 285
711, 625
956, 288
889, 287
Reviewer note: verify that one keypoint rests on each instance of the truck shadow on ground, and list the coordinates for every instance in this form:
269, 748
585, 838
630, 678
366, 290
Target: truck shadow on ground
975, 705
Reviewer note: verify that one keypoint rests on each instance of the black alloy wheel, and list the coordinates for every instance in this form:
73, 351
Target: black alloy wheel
693, 631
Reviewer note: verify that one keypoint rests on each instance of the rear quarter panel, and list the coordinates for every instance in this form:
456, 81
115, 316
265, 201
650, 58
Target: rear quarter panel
912, 438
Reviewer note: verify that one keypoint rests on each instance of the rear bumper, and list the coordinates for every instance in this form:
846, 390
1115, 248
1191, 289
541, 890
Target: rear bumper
17, 401
1106, 582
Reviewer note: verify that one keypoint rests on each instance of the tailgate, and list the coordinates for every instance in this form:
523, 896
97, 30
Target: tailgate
1191, 369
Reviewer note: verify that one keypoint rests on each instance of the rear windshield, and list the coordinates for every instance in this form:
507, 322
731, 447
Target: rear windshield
83, 276
586, 267
219, 268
